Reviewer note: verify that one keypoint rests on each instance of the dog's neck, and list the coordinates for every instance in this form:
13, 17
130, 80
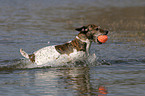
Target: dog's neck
80, 43
84, 39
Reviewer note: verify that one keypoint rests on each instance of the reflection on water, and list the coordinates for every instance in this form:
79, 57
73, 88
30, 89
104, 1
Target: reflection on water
56, 81
102, 90
31, 24
84, 81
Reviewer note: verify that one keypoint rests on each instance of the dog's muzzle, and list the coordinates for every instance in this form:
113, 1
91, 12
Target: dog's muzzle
96, 38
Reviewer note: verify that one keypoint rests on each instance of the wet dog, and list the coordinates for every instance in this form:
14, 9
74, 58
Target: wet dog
74, 50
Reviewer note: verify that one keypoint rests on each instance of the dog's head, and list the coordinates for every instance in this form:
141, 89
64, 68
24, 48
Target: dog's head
91, 32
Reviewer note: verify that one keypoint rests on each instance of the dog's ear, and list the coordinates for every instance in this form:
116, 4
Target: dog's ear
82, 29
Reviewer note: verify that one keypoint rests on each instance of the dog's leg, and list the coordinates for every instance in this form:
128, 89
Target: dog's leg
24, 53
88, 48
92, 58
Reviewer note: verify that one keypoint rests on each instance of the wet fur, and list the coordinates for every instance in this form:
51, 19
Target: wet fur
67, 48
71, 51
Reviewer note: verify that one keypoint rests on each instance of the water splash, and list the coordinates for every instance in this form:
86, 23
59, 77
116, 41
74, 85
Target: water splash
92, 60
25, 63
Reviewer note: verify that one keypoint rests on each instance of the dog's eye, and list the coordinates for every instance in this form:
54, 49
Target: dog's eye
97, 29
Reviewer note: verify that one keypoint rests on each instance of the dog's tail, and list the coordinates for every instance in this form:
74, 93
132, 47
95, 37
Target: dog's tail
24, 53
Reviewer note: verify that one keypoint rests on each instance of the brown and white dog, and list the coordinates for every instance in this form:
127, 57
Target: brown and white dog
74, 50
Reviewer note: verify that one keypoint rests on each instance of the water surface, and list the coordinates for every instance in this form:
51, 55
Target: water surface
120, 64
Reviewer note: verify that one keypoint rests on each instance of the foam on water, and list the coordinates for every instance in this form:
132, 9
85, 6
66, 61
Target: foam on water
25, 63
90, 60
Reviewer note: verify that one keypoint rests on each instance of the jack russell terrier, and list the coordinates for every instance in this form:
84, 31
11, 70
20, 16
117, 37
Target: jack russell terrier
74, 50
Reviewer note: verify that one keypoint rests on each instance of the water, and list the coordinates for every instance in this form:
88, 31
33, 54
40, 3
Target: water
120, 64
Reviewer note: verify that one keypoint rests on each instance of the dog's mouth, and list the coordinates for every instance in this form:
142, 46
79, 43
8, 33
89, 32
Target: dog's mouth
101, 39
98, 42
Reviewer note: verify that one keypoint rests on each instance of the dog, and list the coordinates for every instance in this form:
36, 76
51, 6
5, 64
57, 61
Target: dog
74, 50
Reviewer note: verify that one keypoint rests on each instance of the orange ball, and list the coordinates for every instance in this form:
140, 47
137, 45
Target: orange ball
102, 38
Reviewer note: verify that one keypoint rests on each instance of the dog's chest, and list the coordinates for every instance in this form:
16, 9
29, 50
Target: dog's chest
76, 55
72, 57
